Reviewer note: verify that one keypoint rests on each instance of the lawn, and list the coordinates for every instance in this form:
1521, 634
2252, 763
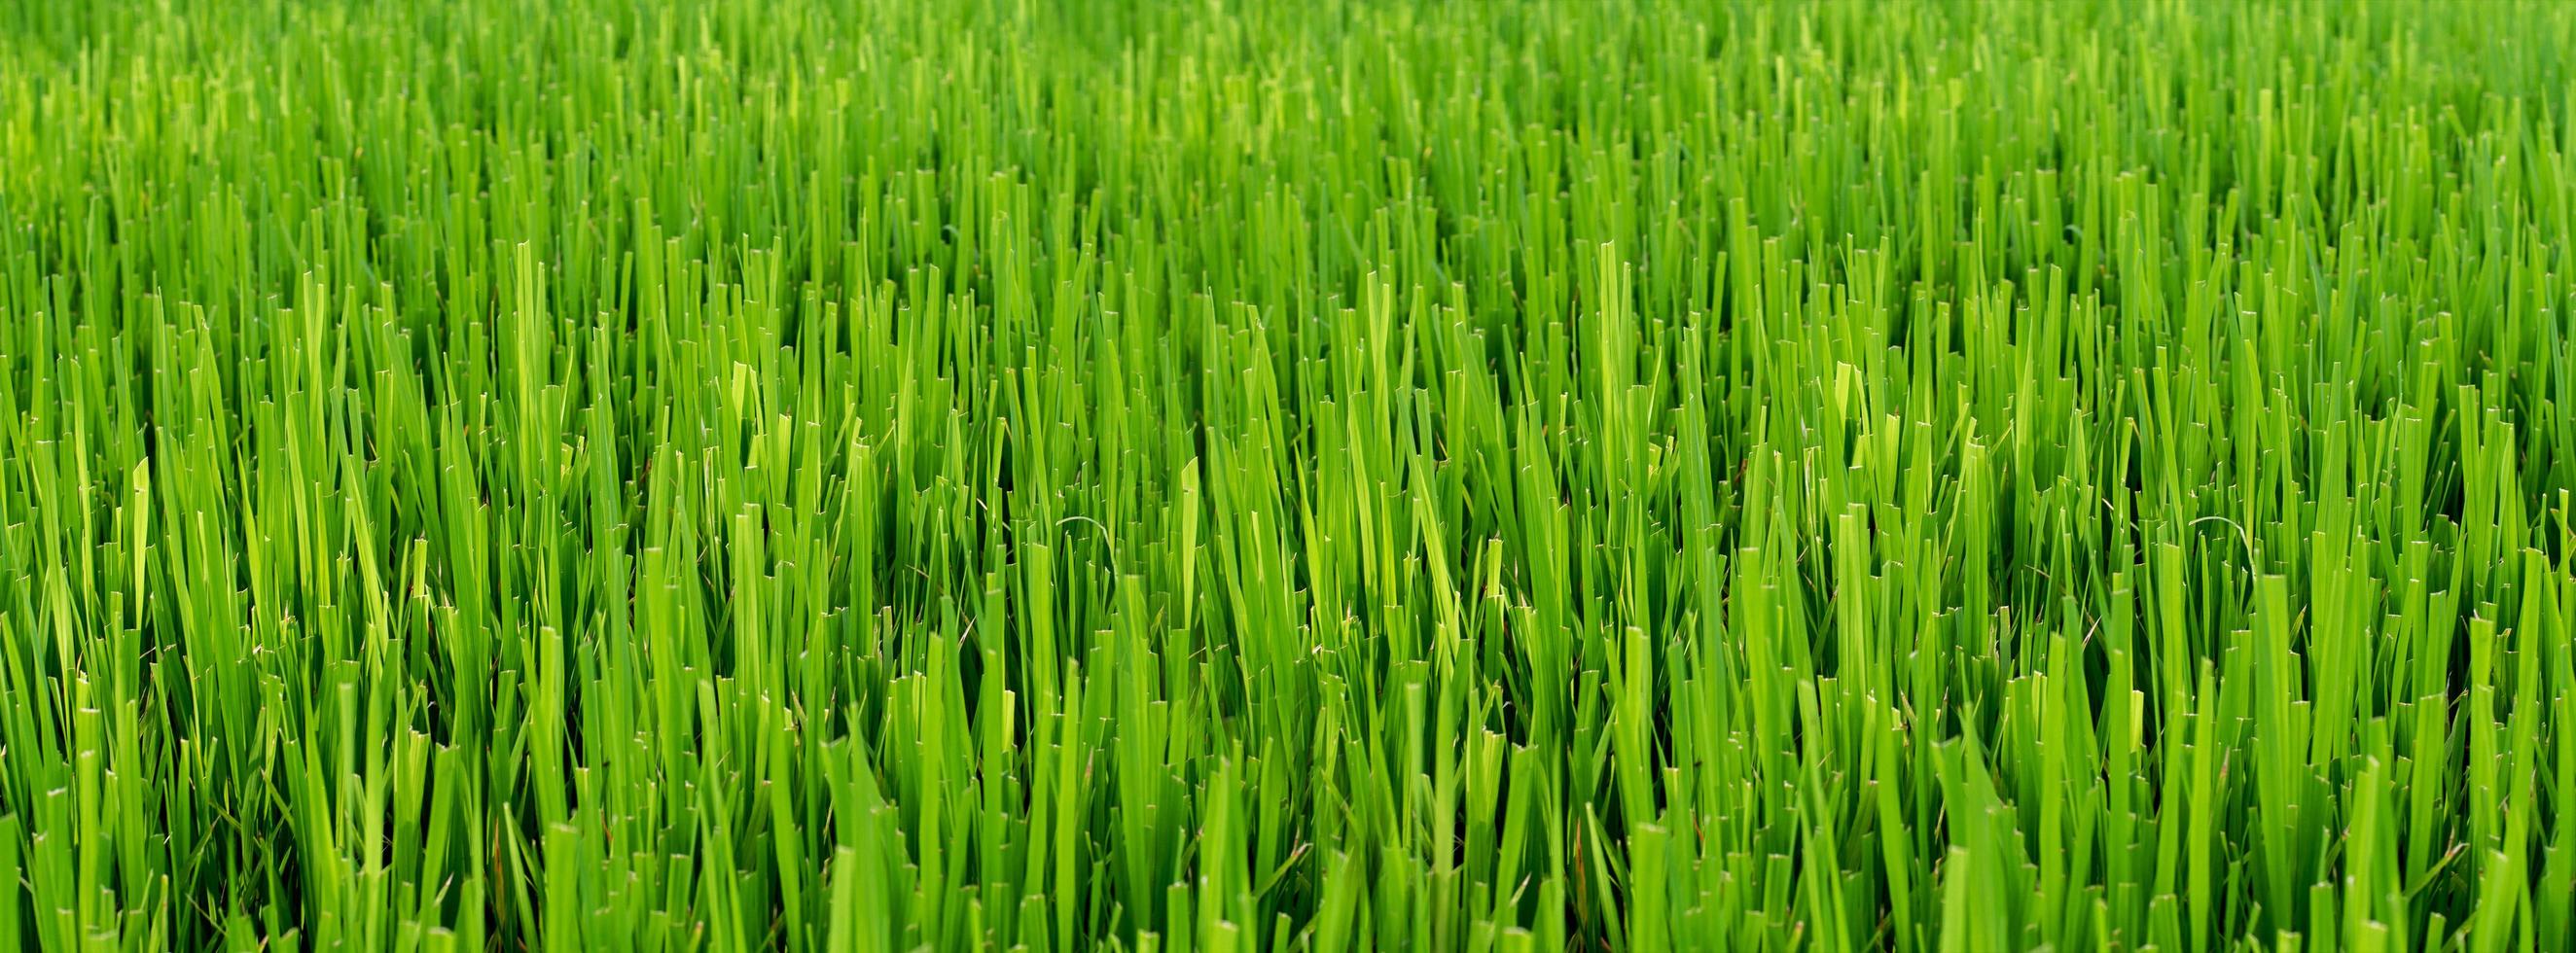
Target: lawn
1247, 476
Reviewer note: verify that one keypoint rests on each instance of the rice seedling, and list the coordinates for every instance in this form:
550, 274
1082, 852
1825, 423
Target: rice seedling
836, 475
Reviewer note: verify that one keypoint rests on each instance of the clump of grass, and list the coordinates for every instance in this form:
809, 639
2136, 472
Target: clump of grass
627, 474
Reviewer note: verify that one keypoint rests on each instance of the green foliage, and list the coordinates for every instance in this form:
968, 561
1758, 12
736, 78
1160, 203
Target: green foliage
500, 475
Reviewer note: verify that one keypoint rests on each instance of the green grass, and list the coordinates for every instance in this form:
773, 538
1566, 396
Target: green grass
1251, 477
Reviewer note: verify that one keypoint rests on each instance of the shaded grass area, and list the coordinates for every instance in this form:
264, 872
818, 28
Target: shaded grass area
637, 474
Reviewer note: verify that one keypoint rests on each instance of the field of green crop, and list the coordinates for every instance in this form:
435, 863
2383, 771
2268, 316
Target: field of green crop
1287, 477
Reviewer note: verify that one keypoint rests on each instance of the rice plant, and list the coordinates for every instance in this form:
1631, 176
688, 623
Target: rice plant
1266, 477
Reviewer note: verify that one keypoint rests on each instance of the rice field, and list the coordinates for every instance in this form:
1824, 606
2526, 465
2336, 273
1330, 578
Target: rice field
1268, 477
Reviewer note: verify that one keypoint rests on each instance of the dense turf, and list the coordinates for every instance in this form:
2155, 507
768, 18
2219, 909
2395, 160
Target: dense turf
1249, 478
